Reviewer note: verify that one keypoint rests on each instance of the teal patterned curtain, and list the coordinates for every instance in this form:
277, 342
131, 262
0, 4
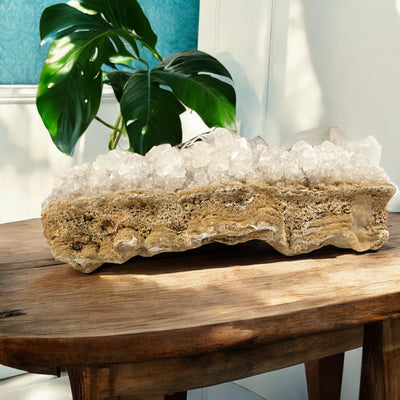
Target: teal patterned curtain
174, 21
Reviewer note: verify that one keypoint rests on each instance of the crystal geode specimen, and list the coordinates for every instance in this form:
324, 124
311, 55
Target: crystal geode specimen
221, 188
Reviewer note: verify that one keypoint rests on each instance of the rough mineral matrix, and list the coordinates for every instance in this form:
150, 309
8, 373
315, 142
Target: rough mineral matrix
220, 188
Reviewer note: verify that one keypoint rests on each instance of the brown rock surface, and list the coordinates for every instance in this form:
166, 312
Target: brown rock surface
115, 227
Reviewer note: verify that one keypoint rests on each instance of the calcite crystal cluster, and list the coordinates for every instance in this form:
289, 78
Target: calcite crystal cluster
220, 188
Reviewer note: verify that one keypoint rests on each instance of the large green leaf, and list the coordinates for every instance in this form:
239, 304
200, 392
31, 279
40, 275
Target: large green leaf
193, 62
152, 101
116, 18
191, 76
69, 90
124, 14
61, 20
151, 113
117, 80
70, 85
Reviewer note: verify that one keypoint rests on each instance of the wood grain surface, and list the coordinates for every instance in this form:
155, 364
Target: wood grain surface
154, 378
180, 305
380, 372
324, 377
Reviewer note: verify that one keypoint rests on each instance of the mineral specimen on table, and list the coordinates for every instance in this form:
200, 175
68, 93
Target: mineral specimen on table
221, 188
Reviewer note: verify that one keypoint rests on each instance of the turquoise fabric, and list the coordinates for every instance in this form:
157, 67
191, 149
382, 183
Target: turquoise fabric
174, 21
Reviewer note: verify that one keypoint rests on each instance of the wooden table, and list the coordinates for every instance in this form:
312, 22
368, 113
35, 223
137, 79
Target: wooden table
174, 322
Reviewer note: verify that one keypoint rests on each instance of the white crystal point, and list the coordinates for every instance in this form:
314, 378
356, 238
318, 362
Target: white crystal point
241, 161
222, 139
199, 154
167, 168
312, 136
258, 140
223, 157
368, 147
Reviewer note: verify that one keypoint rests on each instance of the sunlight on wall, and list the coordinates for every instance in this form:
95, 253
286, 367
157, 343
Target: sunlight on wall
294, 92
302, 91
293, 86
337, 64
239, 36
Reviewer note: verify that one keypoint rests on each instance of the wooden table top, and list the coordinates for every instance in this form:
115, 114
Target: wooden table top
171, 305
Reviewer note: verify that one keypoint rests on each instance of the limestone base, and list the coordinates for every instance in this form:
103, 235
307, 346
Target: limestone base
115, 227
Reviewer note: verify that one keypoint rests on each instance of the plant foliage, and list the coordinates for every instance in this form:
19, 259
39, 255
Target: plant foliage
97, 42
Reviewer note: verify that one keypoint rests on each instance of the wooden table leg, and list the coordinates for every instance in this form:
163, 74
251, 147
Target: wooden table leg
324, 377
86, 382
94, 384
380, 371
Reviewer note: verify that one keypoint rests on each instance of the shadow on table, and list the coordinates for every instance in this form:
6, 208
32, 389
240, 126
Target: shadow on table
215, 255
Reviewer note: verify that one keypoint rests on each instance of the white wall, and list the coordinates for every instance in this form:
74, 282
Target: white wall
29, 161
301, 64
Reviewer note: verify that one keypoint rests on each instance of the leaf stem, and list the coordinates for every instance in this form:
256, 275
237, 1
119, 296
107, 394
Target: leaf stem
119, 123
113, 127
115, 137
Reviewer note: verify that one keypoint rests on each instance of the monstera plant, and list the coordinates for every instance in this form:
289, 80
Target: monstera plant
97, 42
